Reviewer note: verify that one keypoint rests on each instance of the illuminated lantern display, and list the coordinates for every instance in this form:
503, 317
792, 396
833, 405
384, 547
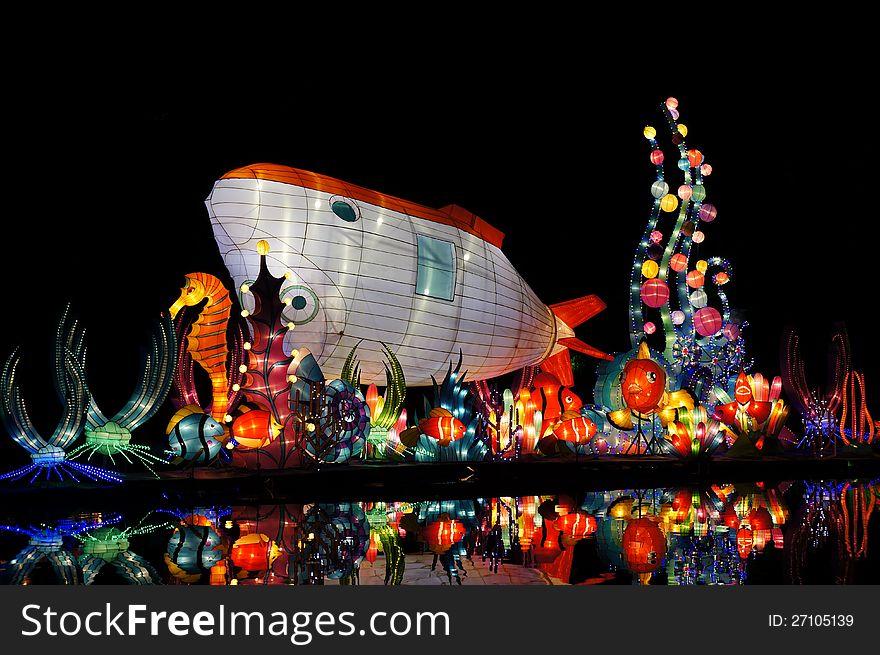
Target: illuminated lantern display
669, 203
650, 268
194, 436
656, 236
655, 293
707, 213
576, 429
192, 551
443, 533
730, 518
206, 340
576, 525
744, 542
254, 552
643, 391
659, 189
332, 284
110, 437
678, 262
644, 546
48, 455
702, 266
695, 279
255, 428
707, 321
644, 383
699, 299
555, 400
682, 130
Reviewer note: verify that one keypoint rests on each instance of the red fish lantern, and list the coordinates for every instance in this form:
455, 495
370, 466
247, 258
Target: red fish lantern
442, 426
255, 428
254, 552
644, 382
443, 533
644, 546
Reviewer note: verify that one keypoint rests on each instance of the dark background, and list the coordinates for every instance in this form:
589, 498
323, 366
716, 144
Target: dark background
104, 195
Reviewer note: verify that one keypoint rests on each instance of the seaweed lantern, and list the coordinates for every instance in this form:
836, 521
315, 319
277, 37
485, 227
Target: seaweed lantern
669, 301
818, 408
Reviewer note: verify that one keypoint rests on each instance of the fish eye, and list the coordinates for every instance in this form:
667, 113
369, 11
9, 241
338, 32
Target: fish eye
652, 376
568, 399
345, 208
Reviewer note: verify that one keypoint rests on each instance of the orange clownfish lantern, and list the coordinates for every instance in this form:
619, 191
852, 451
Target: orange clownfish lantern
442, 426
553, 399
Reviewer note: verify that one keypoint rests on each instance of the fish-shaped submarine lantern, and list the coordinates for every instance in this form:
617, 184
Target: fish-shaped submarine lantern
361, 266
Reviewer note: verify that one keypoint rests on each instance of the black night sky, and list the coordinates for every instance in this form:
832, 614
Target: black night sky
103, 198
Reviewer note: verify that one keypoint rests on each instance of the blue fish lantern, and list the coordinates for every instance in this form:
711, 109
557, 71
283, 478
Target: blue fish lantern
194, 436
193, 550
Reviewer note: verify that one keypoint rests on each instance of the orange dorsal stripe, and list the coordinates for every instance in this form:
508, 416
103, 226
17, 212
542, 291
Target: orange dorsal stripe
450, 215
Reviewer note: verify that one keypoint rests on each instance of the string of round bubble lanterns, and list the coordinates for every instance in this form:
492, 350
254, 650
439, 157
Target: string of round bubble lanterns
669, 301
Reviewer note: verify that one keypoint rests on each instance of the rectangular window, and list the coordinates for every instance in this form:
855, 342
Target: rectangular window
436, 273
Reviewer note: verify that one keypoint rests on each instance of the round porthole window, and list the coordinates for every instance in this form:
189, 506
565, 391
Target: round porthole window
345, 208
302, 304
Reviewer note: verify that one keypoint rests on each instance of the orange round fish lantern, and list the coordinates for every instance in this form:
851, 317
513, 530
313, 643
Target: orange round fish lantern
744, 541
643, 384
255, 428
576, 525
254, 552
644, 546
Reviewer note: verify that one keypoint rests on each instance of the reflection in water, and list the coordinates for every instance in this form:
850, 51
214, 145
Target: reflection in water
796, 532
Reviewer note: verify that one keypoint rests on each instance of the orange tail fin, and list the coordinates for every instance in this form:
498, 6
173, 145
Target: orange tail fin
574, 312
